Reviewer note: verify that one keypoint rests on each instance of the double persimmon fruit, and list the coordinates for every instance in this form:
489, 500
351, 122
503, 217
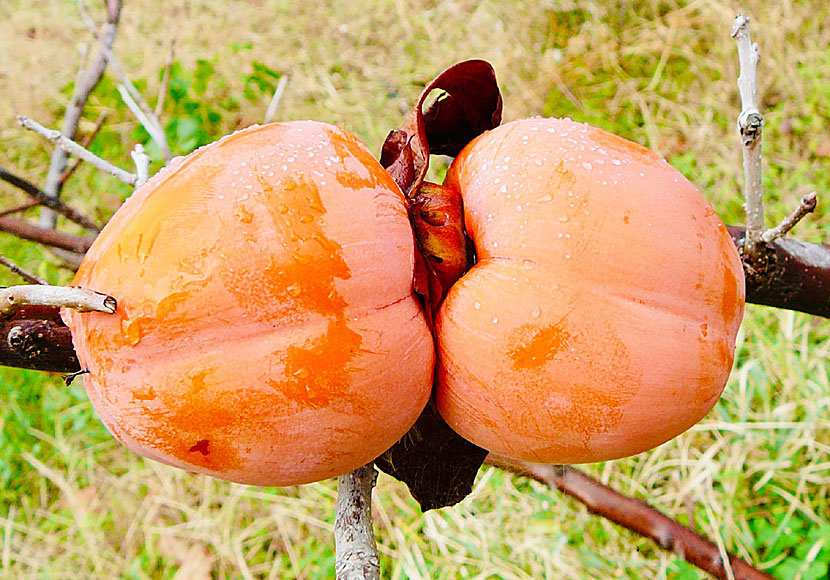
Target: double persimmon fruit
267, 330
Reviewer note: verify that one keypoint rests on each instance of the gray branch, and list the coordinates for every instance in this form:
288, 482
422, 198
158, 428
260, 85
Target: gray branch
69, 146
750, 123
83, 88
356, 553
14, 298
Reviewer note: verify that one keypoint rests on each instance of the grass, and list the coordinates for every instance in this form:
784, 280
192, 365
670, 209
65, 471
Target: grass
754, 475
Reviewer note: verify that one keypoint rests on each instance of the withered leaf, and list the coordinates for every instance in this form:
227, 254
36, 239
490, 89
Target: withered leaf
471, 104
438, 465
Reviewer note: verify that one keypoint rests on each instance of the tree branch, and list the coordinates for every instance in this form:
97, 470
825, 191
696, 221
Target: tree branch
275, 100
83, 88
52, 203
18, 208
71, 147
85, 143
750, 123
807, 205
356, 553
46, 236
15, 298
28, 276
132, 98
634, 515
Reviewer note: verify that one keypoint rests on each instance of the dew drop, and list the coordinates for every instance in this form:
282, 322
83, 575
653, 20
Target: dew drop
546, 198
495, 320
563, 218
587, 166
477, 305
536, 312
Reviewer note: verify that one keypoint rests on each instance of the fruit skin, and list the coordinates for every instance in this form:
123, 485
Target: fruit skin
600, 319
266, 329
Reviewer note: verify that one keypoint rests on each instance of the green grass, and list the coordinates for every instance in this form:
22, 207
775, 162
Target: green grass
754, 475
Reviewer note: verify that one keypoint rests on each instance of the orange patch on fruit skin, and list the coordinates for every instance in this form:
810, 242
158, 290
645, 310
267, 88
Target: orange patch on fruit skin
535, 346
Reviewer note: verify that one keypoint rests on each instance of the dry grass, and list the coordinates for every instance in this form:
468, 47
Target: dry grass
756, 471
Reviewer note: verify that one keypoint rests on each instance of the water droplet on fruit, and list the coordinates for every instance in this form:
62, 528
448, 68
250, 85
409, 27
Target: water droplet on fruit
546, 198
477, 305
563, 218
131, 331
587, 166
536, 312
294, 290
495, 320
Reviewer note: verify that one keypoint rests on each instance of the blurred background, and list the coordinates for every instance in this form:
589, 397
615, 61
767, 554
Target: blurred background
754, 476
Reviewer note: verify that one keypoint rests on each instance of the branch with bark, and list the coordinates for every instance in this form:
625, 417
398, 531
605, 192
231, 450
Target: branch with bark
355, 550
84, 86
636, 516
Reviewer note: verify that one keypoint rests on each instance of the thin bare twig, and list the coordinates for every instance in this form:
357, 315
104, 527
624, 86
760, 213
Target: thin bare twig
71, 147
356, 553
165, 79
28, 276
132, 98
85, 143
634, 515
807, 205
19, 208
750, 123
74, 108
81, 299
52, 203
275, 100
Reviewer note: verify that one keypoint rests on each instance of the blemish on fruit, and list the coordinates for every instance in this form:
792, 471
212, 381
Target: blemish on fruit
203, 447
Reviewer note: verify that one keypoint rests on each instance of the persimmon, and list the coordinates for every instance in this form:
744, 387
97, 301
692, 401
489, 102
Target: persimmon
266, 329
601, 316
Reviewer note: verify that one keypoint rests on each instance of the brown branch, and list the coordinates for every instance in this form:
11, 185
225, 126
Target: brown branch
356, 553
165, 79
788, 274
19, 208
48, 237
44, 345
52, 203
634, 515
28, 276
83, 88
